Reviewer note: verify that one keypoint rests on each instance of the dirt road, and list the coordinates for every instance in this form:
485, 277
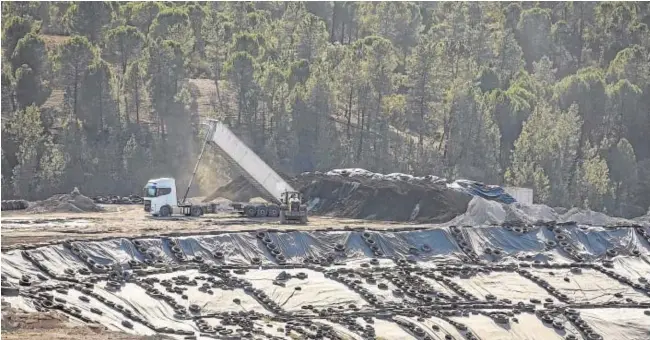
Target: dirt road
131, 220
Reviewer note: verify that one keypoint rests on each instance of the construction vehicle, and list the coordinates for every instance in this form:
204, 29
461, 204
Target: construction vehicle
292, 208
160, 200
284, 201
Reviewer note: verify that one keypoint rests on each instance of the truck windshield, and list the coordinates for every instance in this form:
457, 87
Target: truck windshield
155, 192
150, 192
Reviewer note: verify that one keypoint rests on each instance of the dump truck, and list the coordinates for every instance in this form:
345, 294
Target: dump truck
283, 201
160, 200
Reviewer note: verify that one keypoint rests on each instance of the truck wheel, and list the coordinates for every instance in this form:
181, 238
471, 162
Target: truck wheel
303, 219
250, 211
261, 211
283, 218
196, 211
273, 211
165, 211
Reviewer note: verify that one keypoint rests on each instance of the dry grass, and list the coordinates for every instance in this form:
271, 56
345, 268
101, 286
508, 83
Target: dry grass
207, 99
55, 100
52, 41
207, 95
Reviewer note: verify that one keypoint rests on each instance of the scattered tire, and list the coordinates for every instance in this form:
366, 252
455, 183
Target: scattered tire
25, 281
14, 205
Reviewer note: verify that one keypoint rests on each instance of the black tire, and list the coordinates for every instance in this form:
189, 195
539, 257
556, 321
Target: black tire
196, 211
165, 211
273, 211
250, 211
262, 211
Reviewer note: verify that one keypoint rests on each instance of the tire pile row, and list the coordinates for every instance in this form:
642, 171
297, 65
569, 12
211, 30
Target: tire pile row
407, 282
114, 199
14, 205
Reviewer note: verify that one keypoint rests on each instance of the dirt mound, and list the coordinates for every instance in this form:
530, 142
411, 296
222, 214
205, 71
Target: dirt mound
20, 325
13, 319
381, 199
365, 197
73, 202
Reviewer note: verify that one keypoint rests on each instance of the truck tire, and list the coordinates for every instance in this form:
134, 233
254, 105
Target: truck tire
283, 219
196, 211
165, 211
273, 211
262, 211
250, 211
303, 219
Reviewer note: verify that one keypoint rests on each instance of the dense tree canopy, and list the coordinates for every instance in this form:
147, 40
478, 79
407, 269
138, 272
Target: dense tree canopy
549, 95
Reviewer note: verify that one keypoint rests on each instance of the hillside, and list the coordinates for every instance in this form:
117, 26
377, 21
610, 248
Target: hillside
551, 96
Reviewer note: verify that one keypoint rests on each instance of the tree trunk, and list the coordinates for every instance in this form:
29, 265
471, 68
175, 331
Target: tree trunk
361, 118
137, 105
240, 101
101, 106
580, 34
333, 30
574, 164
348, 114
422, 112
218, 88
74, 99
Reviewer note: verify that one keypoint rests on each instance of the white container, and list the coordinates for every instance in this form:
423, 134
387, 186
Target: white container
522, 195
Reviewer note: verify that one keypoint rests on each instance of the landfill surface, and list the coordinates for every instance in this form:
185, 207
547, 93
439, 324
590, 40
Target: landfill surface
546, 280
466, 263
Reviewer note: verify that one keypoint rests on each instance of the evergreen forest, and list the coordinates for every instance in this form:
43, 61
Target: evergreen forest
553, 96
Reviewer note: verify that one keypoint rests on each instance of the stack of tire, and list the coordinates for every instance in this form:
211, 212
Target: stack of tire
131, 199
14, 205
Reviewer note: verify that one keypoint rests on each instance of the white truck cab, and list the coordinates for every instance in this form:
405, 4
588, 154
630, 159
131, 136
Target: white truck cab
160, 199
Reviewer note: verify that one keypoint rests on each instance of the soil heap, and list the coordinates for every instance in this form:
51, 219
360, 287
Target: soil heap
72, 202
381, 198
377, 197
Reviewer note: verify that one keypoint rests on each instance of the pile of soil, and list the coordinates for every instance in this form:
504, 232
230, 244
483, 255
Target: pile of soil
73, 202
13, 319
381, 198
364, 197
20, 325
